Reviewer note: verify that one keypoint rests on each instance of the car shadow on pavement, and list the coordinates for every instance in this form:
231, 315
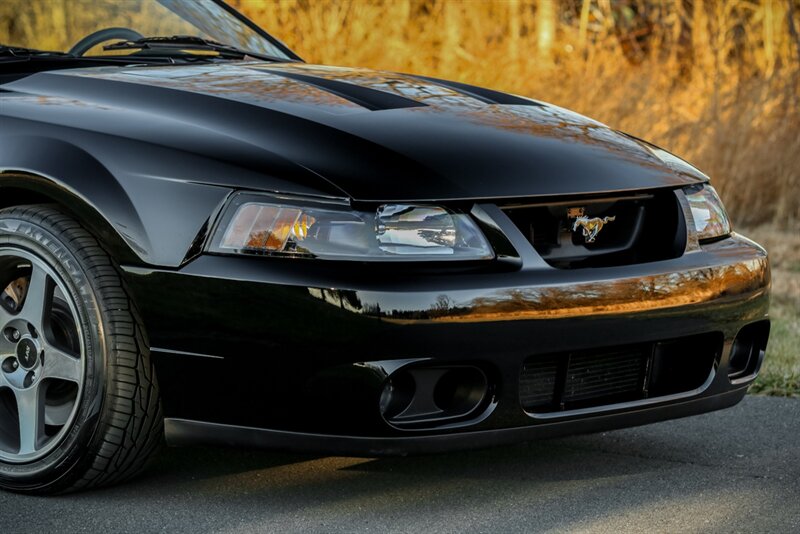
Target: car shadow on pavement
735, 470
325, 482
569, 481
539, 460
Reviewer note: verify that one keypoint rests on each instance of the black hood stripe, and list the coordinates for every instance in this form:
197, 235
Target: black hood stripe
487, 96
371, 99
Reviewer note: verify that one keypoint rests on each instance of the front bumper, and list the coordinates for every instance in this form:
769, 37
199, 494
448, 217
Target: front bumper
183, 432
291, 353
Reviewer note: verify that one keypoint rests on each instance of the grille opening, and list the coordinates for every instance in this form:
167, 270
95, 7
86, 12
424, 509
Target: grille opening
633, 229
599, 377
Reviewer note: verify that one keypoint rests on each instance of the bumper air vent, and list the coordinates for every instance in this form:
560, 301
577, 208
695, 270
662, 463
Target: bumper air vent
593, 378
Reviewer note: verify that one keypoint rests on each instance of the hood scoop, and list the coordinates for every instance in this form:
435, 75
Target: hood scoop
371, 99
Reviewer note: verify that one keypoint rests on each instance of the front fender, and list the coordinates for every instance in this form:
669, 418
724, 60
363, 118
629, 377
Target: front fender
143, 219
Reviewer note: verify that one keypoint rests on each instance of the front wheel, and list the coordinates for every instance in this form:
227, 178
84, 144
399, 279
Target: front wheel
79, 401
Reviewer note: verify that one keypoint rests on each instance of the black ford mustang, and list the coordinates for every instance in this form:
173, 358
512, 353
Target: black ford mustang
204, 237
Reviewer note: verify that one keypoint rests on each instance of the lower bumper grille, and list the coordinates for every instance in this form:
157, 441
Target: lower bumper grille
607, 375
584, 379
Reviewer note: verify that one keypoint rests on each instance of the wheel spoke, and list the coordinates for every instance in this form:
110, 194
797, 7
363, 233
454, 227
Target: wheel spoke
37, 297
59, 364
31, 418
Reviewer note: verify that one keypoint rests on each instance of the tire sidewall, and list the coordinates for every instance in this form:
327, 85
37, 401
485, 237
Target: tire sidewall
18, 231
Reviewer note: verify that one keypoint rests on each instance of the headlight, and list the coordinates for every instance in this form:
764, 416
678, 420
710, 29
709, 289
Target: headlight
710, 219
393, 232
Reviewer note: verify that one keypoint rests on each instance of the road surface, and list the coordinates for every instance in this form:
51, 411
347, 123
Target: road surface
736, 470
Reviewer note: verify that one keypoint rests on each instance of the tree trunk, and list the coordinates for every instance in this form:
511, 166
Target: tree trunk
769, 36
584, 24
513, 31
546, 12
451, 39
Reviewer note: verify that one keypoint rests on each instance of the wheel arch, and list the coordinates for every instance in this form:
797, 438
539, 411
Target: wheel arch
23, 186
144, 214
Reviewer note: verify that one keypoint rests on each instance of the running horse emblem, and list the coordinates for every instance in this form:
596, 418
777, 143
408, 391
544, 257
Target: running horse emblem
591, 227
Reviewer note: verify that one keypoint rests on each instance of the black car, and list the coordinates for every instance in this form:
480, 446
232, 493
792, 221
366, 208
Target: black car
204, 238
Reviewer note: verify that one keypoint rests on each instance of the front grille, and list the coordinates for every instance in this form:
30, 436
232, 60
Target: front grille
537, 383
591, 378
616, 231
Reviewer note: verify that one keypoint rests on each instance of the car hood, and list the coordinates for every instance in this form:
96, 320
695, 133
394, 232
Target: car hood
369, 135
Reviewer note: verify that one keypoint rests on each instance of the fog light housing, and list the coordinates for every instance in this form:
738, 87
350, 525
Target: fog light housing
425, 397
748, 351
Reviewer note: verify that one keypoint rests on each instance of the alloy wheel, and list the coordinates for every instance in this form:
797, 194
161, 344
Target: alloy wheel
42, 357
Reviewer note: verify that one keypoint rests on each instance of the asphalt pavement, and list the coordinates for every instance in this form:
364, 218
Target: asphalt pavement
736, 470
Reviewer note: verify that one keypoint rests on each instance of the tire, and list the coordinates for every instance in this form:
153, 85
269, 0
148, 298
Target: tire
96, 411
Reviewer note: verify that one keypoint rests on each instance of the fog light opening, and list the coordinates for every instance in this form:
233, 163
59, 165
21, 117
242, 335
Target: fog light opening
461, 390
748, 351
427, 396
741, 355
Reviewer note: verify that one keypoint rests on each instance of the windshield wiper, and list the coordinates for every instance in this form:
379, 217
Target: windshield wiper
188, 42
20, 52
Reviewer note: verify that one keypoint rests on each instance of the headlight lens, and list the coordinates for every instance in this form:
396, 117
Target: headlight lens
393, 232
710, 218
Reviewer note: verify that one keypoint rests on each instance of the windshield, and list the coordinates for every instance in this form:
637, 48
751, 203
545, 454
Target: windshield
58, 25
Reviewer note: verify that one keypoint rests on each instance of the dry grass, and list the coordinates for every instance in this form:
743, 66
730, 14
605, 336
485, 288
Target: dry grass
781, 372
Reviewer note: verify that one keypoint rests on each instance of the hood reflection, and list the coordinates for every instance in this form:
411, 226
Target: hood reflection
375, 136
234, 82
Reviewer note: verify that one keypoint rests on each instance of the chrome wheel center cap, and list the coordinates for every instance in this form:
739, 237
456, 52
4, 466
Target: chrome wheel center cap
28, 352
